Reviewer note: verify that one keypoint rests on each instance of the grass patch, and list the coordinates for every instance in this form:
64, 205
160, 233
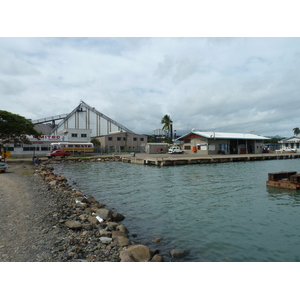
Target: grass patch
27, 172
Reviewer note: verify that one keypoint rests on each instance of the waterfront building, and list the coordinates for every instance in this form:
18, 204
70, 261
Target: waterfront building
81, 125
290, 144
211, 143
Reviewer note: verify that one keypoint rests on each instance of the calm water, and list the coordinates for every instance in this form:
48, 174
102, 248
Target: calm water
219, 212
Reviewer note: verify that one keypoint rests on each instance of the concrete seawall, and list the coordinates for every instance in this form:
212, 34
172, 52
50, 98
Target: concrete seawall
169, 159
184, 159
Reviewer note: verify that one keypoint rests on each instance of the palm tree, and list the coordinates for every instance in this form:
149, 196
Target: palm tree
296, 131
166, 120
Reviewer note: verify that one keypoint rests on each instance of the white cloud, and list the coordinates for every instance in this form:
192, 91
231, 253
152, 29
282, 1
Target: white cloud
229, 84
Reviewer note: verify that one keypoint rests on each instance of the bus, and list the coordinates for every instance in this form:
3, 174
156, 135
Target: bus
78, 148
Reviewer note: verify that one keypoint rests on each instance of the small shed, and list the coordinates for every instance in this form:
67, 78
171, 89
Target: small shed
157, 148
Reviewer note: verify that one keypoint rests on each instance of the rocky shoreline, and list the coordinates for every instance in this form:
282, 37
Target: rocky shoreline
87, 231
46, 219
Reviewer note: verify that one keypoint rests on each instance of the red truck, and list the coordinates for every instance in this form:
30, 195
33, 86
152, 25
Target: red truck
58, 153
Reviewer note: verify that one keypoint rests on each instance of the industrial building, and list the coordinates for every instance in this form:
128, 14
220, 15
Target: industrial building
211, 143
122, 141
80, 125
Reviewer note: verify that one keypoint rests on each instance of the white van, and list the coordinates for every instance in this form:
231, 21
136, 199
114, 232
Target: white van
175, 149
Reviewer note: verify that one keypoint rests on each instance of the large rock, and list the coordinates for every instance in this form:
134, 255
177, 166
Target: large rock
93, 220
111, 226
104, 213
78, 194
140, 253
73, 224
122, 241
91, 200
178, 253
119, 233
96, 206
122, 228
157, 240
126, 256
157, 258
117, 217
105, 233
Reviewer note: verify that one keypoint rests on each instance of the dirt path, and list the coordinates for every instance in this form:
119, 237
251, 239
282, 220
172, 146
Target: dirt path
24, 208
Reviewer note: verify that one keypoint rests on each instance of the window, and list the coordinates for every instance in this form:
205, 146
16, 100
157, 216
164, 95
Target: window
31, 148
142, 139
118, 138
74, 134
124, 138
187, 141
135, 139
110, 138
187, 147
83, 135
223, 148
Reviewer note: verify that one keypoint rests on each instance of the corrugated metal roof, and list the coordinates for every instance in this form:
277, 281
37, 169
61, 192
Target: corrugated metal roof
43, 128
290, 139
227, 135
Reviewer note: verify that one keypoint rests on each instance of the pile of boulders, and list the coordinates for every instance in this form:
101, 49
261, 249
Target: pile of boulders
74, 159
88, 230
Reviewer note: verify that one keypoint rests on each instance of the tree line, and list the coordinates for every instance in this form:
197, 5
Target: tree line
14, 128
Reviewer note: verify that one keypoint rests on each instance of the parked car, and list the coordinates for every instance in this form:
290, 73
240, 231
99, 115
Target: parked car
175, 149
3, 167
58, 153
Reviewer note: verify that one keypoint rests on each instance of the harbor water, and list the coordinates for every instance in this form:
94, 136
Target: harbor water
218, 212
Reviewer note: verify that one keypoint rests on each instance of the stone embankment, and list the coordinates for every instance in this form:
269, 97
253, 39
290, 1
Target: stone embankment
88, 231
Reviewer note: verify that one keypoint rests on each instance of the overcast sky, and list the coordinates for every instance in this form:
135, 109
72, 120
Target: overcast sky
219, 84
239, 84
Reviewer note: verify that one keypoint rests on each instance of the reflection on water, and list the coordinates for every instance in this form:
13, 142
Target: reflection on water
284, 196
219, 212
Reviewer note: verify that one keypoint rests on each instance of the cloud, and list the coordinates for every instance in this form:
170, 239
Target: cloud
11, 87
221, 84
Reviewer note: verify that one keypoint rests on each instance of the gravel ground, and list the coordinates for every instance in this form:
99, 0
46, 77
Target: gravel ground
25, 228
33, 222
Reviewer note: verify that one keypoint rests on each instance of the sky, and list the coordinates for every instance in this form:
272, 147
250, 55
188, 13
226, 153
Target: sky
228, 84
